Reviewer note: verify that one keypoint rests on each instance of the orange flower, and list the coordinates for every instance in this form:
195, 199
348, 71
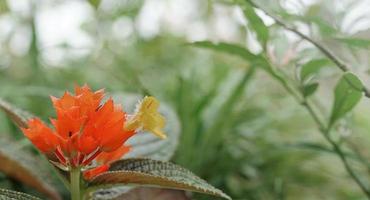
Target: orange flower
104, 159
85, 131
41, 135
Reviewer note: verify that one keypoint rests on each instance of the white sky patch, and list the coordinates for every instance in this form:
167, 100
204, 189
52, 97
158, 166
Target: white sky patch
149, 18
21, 7
179, 14
197, 31
61, 25
123, 28
20, 41
358, 19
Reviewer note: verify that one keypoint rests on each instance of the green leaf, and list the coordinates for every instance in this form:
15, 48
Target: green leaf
255, 22
18, 116
4, 7
233, 49
309, 89
14, 195
348, 93
325, 149
95, 3
236, 50
355, 42
312, 67
149, 172
26, 168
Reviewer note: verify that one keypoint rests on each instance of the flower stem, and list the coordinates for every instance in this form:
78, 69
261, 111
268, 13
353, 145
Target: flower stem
75, 183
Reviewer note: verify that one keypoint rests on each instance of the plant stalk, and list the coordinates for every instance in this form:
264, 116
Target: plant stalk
75, 183
329, 54
325, 132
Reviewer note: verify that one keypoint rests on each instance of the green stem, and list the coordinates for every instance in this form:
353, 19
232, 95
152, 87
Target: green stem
75, 183
325, 131
337, 61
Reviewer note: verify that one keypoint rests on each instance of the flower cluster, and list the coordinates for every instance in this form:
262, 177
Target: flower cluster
89, 134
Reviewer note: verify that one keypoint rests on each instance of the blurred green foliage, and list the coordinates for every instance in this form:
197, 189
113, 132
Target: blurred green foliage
241, 129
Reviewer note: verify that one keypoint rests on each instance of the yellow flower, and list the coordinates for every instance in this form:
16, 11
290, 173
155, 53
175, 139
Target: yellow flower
147, 118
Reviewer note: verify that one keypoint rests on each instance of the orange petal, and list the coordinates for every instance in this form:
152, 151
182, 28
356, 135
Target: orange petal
106, 158
91, 173
41, 135
87, 144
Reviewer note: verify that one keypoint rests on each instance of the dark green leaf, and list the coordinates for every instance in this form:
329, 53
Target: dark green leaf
309, 89
26, 168
14, 195
255, 22
348, 93
18, 116
312, 67
148, 172
154, 194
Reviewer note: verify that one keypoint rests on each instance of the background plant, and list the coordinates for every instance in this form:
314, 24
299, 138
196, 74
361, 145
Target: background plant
260, 143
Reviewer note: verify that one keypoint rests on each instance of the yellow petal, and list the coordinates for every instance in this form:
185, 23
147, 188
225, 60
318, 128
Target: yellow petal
148, 118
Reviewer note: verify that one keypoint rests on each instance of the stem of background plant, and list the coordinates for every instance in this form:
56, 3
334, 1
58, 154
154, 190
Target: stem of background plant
326, 133
75, 183
341, 65
324, 130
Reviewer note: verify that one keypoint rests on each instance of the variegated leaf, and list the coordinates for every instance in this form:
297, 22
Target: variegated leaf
153, 194
13, 195
156, 173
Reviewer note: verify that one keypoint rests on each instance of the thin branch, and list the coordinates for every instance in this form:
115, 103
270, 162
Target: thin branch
325, 132
341, 65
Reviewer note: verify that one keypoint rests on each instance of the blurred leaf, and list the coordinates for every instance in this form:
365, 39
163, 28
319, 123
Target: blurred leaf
18, 116
95, 3
154, 173
348, 93
255, 22
313, 146
25, 168
309, 89
14, 195
235, 50
355, 42
312, 67
3, 7
323, 148
325, 28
